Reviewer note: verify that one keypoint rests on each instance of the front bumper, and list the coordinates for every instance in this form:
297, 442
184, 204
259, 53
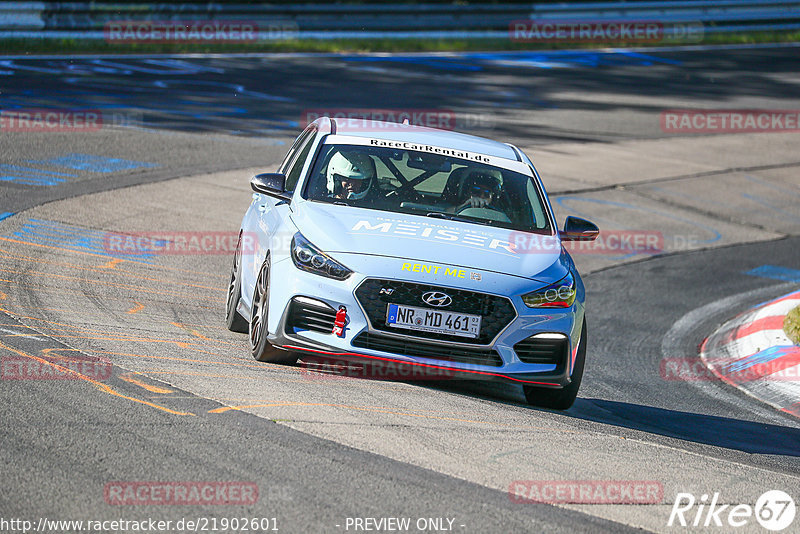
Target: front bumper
420, 357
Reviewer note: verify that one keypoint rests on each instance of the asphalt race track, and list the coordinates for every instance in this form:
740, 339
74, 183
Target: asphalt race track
172, 396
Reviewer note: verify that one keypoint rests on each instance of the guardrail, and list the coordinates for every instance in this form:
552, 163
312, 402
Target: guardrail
394, 21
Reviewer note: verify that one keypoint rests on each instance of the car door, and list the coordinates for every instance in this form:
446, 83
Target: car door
270, 213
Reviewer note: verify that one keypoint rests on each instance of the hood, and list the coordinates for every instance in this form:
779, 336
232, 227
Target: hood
425, 239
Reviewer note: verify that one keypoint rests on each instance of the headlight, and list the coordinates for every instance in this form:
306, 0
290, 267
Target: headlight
559, 295
309, 258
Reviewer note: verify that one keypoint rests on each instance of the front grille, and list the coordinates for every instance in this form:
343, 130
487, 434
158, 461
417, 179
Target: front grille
540, 349
306, 314
496, 312
419, 349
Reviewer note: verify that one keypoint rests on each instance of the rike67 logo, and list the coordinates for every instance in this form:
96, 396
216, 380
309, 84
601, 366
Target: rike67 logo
774, 510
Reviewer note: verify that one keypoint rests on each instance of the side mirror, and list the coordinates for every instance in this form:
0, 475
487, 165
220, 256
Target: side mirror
272, 184
577, 229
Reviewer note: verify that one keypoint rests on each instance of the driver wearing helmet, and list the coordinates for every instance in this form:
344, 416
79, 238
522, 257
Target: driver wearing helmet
481, 190
484, 200
351, 176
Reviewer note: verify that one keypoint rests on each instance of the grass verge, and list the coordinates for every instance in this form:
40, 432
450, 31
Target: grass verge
93, 46
791, 325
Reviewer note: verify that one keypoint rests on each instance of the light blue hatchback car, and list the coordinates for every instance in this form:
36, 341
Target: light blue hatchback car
408, 246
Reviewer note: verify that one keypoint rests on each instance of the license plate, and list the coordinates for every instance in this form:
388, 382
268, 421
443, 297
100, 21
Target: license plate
437, 321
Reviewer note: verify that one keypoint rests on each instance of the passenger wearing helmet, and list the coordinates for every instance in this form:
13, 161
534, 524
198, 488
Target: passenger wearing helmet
351, 176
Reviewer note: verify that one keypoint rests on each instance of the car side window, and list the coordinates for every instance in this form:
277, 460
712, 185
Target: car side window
293, 175
293, 150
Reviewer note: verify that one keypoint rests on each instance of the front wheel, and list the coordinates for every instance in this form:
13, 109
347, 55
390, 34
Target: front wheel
234, 321
259, 330
561, 399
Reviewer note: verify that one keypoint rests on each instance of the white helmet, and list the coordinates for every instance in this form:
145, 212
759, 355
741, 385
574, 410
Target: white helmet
351, 166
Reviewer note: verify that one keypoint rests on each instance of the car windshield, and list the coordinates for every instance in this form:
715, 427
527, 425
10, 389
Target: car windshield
422, 183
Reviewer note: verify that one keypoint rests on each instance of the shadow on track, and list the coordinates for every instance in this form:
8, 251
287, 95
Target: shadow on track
736, 434
729, 433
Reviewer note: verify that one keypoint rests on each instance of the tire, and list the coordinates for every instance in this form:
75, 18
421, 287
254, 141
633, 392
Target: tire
561, 399
259, 329
233, 320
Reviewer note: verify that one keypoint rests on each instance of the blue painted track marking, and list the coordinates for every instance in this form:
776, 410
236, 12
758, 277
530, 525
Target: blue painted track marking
30, 180
776, 272
648, 59
764, 202
71, 237
765, 356
30, 175
32, 170
6, 215
476, 61
107, 83
437, 62
83, 162
88, 162
781, 188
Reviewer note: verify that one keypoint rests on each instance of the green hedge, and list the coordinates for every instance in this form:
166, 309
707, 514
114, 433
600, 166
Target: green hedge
791, 325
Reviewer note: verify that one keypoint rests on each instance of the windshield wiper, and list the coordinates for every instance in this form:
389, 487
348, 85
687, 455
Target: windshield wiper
449, 217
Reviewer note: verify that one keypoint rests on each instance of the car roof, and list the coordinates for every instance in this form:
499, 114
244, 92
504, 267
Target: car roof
392, 131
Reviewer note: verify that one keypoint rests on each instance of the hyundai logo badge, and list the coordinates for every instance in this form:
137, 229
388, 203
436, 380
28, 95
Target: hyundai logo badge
437, 298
